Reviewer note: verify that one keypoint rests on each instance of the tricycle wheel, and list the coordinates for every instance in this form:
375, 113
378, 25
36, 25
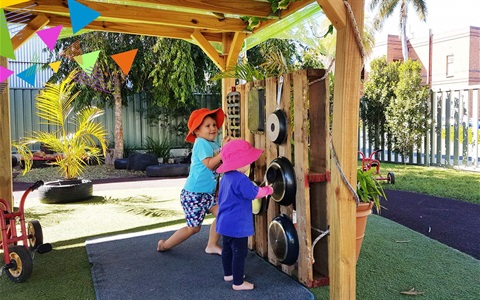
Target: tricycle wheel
21, 264
391, 177
35, 234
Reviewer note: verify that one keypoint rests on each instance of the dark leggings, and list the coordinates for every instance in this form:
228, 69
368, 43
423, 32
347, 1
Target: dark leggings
233, 257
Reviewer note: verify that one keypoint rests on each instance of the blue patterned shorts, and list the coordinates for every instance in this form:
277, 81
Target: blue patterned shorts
196, 206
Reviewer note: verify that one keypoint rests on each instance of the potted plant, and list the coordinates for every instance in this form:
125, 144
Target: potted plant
86, 141
369, 192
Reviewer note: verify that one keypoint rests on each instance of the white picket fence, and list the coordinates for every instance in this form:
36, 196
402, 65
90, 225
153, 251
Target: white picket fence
452, 140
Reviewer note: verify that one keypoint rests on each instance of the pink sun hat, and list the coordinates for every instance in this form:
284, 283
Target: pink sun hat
236, 154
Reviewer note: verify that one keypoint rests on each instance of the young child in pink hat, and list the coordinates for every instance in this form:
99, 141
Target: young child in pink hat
235, 218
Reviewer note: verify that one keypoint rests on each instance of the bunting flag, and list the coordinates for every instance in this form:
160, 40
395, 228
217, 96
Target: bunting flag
55, 65
125, 60
6, 3
80, 15
29, 74
6, 47
4, 73
50, 36
87, 61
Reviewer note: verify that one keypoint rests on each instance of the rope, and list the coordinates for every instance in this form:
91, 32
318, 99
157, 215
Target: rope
358, 37
342, 175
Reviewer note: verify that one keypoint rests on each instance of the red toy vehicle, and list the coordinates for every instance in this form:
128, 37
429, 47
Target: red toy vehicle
371, 162
18, 258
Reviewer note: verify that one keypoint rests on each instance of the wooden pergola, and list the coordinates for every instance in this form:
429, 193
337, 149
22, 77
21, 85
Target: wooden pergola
219, 21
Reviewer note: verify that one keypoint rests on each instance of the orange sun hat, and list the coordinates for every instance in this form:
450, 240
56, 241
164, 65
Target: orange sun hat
196, 119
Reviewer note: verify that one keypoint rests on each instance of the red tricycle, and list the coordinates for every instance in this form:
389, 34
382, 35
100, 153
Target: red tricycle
18, 258
371, 162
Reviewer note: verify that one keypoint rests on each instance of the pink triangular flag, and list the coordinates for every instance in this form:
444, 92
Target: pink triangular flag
50, 36
4, 73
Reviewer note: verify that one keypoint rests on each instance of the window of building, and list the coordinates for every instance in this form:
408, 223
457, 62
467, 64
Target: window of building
450, 65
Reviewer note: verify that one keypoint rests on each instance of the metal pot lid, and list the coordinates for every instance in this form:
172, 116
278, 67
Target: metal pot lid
283, 239
277, 126
281, 175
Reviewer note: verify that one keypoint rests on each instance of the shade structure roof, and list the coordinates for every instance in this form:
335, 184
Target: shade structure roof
219, 27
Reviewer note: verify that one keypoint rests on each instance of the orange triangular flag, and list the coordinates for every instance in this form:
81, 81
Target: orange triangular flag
125, 60
55, 65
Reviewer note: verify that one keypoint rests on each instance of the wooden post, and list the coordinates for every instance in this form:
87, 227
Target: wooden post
6, 185
341, 204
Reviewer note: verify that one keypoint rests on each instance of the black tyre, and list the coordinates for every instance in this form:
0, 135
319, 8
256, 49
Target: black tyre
167, 170
21, 264
391, 177
121, 163
35, 234
57, 192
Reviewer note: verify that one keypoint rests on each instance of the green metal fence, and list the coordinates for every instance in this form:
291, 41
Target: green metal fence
24, 119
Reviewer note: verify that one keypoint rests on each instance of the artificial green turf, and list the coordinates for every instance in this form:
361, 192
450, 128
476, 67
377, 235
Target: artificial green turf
436, 181
395, 259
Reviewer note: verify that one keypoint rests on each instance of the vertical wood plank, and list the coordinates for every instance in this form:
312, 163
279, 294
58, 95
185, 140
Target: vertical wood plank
271, 153
305, 262
285, 149
341, 204
6, 185
319, 163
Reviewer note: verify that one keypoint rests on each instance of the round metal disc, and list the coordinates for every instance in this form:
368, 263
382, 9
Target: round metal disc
273, 127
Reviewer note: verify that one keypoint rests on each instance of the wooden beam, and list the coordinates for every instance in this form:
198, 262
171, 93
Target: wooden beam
29, 30
134, 14
6, 186
139, 29
335, 11
292, 7
202, 42
341, 204
251, 8
235, 48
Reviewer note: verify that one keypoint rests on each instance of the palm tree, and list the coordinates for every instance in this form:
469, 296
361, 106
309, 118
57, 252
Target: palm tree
86, 140
387, 7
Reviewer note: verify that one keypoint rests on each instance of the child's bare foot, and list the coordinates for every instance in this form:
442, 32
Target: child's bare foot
160, 246
229, 278
245, 286
213, 250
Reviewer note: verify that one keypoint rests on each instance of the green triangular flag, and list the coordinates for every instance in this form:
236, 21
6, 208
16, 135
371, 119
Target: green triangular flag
87, 61
6, 47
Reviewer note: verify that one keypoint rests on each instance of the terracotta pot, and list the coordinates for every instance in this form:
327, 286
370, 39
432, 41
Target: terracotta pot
363, 211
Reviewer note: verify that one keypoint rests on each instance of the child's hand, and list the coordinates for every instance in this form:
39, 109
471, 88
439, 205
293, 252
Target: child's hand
226, 139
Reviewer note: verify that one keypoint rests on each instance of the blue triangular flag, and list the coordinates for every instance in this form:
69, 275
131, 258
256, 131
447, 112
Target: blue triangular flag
80, 15
29, 74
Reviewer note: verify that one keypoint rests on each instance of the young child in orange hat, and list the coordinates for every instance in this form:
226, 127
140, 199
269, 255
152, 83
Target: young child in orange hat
198, 195
235, 218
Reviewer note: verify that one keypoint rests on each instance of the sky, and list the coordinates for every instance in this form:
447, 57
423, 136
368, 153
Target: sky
443, 16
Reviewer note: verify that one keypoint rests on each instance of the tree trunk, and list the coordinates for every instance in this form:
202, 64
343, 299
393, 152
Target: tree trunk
403, 24
117, 94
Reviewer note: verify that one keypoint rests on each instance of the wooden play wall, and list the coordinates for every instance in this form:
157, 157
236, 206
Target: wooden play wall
306, 146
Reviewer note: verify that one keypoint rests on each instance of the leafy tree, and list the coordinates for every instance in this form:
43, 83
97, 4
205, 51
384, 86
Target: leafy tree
407, 115
167, 71
378, 94
386, 9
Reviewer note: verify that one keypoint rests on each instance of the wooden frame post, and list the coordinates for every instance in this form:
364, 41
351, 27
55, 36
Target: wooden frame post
341, 204
6, 185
